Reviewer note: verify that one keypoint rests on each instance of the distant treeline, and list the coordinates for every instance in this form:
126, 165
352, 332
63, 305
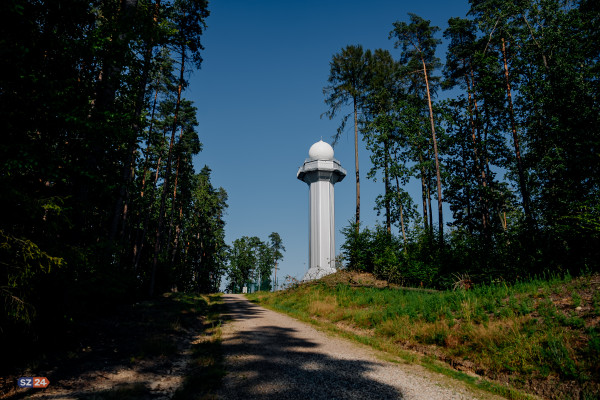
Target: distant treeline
513, 148
254, 262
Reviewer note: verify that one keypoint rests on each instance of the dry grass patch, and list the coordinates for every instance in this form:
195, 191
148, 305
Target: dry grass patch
323, 307
541, 335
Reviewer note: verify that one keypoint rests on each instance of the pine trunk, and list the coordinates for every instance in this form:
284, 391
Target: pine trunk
356, 165
141, 236
521, 171
275, 277
174, 198
103, 103
401, 215
388, 219
482, 178
177, 234
423, 191
429, 207
435, 151
157, 243
467, 177
128, 172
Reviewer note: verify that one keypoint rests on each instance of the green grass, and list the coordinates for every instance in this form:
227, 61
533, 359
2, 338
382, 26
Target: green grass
206, 368
534, 333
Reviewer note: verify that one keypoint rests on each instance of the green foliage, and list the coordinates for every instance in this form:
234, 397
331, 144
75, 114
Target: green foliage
517, 144
559, 358
386, 256
347, 80
418, 45
23, 266
357, 250
251, 261
523, 330
87, 85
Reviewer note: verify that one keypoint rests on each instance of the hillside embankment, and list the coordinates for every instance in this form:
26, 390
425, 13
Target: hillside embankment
540, 337
269, 355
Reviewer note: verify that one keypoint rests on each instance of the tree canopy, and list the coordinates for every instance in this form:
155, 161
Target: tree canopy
101, 202
512, 147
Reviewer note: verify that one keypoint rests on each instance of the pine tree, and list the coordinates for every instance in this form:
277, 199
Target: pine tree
348, 78
418, 44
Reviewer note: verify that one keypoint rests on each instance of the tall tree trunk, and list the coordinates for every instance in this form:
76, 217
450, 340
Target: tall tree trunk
128, 171
429, 207
174, 197
275, 277
157, 243
503, 219
103, 102
423, 190
356, 165
136, 246
148, 213
388, 219
177, 233
429, 202
401, 215
482, 178
521, 171
467, 177
141, 236
148, 141
484, 156
435, 151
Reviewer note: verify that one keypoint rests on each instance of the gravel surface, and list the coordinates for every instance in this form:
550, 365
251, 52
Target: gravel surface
272, 356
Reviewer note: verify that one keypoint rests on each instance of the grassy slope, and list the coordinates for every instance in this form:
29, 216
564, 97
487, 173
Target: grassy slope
541, 336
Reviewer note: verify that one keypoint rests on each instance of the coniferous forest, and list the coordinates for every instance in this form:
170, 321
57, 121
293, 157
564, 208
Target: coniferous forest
101, 204
505, 131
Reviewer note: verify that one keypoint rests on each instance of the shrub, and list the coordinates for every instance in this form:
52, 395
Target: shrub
357, 250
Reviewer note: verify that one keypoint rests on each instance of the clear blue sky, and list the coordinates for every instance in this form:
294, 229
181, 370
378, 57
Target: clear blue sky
259, 98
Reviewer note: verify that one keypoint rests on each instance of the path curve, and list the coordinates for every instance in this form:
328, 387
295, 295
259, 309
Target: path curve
272, 356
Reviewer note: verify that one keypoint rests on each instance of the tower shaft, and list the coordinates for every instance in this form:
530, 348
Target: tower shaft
321, 175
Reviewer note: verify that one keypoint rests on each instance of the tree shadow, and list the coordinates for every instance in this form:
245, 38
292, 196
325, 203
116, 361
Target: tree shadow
239, 308
272, 362
126, 391
146, 341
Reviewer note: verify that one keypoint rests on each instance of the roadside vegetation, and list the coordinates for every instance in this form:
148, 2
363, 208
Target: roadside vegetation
540, 336
103, 204
205, 369
174, 335
506, 285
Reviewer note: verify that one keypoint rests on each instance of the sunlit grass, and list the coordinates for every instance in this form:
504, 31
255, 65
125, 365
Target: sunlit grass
539, 329
205, 370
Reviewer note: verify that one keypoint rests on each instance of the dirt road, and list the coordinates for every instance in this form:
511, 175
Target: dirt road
272, 356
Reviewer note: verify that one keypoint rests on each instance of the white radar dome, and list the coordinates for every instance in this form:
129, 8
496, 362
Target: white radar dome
321, 151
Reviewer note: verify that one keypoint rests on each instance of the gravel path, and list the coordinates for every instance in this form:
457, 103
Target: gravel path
272, 356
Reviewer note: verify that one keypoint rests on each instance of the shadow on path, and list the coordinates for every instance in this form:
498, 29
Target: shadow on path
277, 362
239, 308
